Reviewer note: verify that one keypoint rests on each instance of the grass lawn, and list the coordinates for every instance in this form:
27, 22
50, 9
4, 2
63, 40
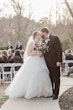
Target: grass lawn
3, 98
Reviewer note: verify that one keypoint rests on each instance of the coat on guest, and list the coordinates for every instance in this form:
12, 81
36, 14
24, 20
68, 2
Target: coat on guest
16, 58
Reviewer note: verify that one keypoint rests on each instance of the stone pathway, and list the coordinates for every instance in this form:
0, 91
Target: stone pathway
38, 103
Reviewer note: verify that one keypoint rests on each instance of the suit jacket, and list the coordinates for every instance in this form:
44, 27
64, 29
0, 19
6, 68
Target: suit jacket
19, 47
55, 51
69, 57
9, 47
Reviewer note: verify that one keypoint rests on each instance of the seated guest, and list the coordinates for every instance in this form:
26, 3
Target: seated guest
10, 53
19, 46
69, 56
9, 45
4, 60
16, 58
4, 57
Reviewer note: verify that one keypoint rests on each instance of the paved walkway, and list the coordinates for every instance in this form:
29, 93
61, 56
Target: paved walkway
38, 103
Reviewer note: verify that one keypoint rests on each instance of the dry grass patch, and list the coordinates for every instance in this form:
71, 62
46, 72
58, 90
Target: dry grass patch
3, 97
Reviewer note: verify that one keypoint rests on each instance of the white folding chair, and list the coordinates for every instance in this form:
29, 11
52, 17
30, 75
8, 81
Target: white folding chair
16, 65
7, 69
67, 68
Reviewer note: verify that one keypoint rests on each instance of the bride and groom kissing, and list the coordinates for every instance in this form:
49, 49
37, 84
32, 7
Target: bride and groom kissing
39, 75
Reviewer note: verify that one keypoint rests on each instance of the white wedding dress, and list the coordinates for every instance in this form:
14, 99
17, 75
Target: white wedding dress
32, 80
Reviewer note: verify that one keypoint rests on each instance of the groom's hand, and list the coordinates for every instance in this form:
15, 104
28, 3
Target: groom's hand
58, 64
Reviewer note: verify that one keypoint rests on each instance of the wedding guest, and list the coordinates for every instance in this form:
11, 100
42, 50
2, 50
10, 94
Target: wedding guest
4, 60
69, 56
19, 46
4, 57
13, 52
10, 53
9, 45
16, 58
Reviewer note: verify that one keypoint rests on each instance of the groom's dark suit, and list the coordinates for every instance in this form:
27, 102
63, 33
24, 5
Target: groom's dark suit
51, 57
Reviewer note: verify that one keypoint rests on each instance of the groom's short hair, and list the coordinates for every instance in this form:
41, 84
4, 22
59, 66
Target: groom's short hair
45, 30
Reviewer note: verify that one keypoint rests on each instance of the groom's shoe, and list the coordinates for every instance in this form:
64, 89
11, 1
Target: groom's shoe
55, 97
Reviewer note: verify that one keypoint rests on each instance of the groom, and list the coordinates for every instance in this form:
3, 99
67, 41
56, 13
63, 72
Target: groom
53, 59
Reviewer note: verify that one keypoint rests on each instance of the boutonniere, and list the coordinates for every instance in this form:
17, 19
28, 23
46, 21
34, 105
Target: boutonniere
48, 39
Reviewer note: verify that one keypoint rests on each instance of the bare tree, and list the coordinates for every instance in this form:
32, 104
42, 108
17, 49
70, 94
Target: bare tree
2, 8
30, 10
29, 16
69, 8
50, 16
19, 10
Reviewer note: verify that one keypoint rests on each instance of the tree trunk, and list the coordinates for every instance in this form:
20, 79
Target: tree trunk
67, 4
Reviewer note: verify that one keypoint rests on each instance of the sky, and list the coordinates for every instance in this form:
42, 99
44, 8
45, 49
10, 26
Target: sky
39, 8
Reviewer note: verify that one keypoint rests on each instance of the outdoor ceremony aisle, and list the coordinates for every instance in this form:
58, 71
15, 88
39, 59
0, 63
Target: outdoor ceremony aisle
34, 104
38, 103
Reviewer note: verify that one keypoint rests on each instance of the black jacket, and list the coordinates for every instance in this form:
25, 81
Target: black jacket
19, 47
55, 51
9, 47
69, 57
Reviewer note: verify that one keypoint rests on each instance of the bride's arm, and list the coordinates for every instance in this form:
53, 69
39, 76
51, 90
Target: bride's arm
31, 51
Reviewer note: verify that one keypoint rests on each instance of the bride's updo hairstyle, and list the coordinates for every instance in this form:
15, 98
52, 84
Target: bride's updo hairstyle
35, 34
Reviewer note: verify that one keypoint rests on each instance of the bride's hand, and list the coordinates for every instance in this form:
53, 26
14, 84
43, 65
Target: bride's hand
39, 53
34, 53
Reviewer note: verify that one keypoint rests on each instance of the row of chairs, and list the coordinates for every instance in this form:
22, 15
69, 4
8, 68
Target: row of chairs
12, 71
9, 72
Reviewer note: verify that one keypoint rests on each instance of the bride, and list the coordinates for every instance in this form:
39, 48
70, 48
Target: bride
32, 80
